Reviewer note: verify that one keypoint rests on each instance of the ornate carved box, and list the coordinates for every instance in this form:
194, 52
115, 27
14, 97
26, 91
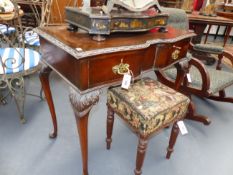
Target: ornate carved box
117, 16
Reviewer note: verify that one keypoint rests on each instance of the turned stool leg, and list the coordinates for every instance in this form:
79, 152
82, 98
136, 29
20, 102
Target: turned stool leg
110, 121
141, 151
172, 141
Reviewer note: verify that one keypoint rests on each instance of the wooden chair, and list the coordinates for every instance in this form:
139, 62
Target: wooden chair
207, 81
147, 107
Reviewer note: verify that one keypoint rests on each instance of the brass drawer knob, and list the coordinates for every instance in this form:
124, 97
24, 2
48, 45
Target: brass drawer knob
121, 68
175, 54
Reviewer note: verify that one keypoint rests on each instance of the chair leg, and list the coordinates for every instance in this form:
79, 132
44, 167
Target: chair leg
207, 34
17, 90
222, 94
35, 95
216, 34
141, 151
172, 141
199, 118
3, 99
110, 122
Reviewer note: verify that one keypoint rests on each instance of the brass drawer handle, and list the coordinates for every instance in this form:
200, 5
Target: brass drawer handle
177, 47
121, 68
175, 54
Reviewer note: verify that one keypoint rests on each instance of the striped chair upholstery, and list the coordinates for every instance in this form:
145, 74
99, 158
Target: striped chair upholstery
4, 29
32, 38
16, 62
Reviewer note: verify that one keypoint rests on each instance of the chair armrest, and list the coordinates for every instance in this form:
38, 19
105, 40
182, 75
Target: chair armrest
203, 72
228, 56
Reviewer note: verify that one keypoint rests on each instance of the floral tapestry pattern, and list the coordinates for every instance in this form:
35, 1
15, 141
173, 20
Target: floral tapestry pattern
148, 105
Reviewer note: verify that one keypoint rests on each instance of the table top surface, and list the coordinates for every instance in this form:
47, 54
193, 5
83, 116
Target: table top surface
84, 42
58, 47
217, 19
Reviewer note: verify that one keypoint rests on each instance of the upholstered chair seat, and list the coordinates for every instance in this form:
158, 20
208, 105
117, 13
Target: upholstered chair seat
32, 38
208, 48
4, 29
15, 63
147, 107
219, 79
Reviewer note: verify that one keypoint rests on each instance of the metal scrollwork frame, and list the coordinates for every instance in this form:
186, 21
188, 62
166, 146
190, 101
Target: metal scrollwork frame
12, 84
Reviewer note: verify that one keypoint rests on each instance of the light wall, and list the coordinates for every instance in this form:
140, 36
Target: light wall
86, 3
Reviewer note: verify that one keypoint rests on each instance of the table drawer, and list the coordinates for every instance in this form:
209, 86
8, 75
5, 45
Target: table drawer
101, 67
169, 53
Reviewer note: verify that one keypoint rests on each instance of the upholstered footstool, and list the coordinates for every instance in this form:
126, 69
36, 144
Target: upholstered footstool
147, 107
